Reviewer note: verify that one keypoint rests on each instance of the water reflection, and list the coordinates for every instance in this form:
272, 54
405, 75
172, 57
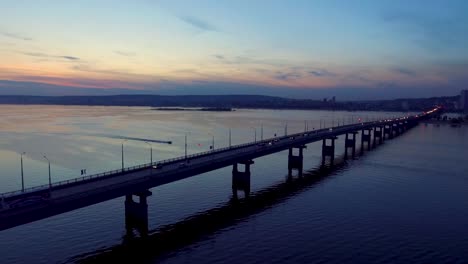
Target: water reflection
171, 237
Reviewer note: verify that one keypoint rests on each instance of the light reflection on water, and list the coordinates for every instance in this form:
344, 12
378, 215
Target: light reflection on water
74, 138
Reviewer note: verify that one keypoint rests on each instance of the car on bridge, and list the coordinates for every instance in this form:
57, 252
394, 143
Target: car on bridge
158, 166
183, 165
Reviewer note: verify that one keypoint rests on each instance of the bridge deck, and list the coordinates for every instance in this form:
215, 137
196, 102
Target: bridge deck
22, 207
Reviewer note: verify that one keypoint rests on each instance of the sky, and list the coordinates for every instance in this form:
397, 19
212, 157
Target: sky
299, 48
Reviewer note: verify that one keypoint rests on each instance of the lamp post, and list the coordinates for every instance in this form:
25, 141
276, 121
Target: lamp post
261, 131
123, 154
255, 134
50, 179
229, 137
151, 152
212, 140
286, 129
22, 174
186, 144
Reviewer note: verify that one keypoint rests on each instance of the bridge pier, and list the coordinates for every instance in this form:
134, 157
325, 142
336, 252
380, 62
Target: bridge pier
136, 213
366, 137
395, 129
296, 162
378, 131
401, 125
328, 150
241, 179
388, 132
350, 143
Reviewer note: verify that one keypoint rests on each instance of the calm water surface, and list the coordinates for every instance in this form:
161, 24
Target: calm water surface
405, 201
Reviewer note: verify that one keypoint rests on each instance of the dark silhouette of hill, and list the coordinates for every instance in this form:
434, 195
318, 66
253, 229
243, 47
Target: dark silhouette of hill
230, 101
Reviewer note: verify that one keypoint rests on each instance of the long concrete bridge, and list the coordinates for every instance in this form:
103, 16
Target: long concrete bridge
22, 207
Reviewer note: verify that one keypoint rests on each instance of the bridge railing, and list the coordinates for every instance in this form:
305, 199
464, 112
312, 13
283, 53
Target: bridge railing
119, 171
103, 175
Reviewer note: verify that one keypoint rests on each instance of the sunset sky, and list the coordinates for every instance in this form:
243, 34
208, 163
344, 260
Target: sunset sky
378, 48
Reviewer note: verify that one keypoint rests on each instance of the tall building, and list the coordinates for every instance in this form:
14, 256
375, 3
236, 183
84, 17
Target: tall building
464, 100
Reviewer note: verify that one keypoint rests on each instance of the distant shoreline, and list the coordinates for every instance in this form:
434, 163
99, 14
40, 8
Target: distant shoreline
226, 103
208, 109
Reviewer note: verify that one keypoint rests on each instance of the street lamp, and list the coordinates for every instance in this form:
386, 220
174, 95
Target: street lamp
229, 137
186, 144
286, 129
212, 140
255, 134
50, 179
151, 152
123, 154
22, 174
261, 131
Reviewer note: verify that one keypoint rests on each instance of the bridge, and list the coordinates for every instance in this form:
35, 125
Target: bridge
32, 204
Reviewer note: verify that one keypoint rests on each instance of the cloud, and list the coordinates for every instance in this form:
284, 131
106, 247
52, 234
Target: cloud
321, 73
285, 76
43, 55
404, 71
125, 53
249, 60
198, 23
15, 36
69, 58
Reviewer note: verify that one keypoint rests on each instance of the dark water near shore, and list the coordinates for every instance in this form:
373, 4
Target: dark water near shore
404, 202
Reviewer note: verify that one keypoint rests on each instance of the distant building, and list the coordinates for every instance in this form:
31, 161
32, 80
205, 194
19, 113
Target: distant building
333, 99
464, 100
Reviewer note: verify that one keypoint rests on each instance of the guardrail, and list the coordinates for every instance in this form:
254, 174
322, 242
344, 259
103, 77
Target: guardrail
195, 155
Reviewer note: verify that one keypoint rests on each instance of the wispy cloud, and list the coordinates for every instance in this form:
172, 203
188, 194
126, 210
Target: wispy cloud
286, 76
69, 58
43, 55
243, 60
15, 36
404, 71
198, 23
321, 73
125, 53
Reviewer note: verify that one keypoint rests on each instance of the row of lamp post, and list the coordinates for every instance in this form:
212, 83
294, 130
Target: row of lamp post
22, 170
306, 128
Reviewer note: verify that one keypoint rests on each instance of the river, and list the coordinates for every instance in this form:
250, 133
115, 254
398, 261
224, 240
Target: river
405, 201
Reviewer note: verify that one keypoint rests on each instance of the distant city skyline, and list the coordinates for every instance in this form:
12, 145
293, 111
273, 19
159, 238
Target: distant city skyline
312, 49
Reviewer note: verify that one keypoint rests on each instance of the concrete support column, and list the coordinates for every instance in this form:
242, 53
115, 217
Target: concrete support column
136, 213
328, 150
241, 179
388, 133
395, 129
366, 137
378, 131
296, 161
350, 142
401, 127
